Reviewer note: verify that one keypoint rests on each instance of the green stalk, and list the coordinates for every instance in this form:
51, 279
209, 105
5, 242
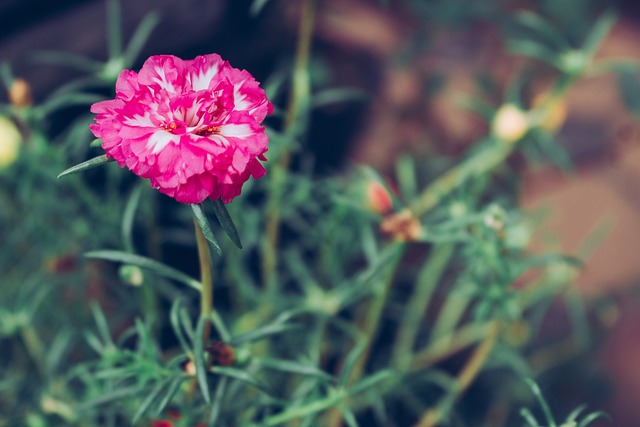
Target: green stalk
417, 305
206, 279
370, 323
299, 96
469, 372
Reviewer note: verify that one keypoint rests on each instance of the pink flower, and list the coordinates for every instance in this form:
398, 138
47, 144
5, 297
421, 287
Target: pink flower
191, 127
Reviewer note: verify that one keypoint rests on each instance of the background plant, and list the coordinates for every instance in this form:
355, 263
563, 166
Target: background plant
332, 313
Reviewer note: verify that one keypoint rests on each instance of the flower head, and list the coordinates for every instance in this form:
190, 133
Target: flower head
191, 127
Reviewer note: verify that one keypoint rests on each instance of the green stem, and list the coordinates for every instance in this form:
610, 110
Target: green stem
417, 305
472, 367
370, 322
206, 279
34, 346
299, 95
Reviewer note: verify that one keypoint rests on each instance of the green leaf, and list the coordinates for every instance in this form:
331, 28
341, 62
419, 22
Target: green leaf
599, 31
541, 400
543, 28
199, 359
226, 222
147, 263
263, 332
140, 37
372, 380
203, 223
351, 360
89, 164
592, 417
218, 397
151, 397
239, 374
170, 392
128, 217
174, 317
293, 367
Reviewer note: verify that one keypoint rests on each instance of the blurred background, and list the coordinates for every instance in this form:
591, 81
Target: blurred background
411, 62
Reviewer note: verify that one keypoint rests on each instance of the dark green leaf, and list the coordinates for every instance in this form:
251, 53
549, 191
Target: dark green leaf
151, 397
174, 317
226, 222
147, 263
89, 164
203, 223
239, 374
263, 332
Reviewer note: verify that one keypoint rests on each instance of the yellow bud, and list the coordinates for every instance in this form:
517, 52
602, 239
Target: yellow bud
510, 123
20, 93
10, 140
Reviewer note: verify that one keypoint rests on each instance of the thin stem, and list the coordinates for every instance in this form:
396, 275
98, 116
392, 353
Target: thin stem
206, 279
417, 305
466, 376
370, 323
299, 94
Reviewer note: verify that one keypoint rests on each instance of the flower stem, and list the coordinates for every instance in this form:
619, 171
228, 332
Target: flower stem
206, 279
298, 97
370, 323
433, 416
418, 304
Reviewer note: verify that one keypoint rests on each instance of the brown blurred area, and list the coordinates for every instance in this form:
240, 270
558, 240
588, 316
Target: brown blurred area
416, 108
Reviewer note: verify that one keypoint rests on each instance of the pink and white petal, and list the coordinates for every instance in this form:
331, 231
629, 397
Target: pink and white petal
203, 72
163, 72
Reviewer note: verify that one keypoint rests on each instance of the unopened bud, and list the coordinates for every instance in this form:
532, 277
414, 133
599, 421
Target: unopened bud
20, 93
10, 140
510, 123
132, 274
378, 198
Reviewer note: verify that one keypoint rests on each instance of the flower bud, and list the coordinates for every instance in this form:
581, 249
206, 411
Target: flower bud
20, 93
510, 123
132, 274
10, 140
378, 198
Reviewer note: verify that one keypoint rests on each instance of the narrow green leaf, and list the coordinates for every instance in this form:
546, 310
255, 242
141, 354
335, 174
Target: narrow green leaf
89, 164
102, 325
218, 397
128, 217
541, 400
117, 394
629, 88
257, 6
220, 210
532, 50
199, 360
147, 263
528, 417
543, 28
347, 415
171, 390
203, 223
351, 360
174, 317
293, 367
575, 413
599, 31
148, 401
140, 37
592, 417
372, 380
241, 375
263, 332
